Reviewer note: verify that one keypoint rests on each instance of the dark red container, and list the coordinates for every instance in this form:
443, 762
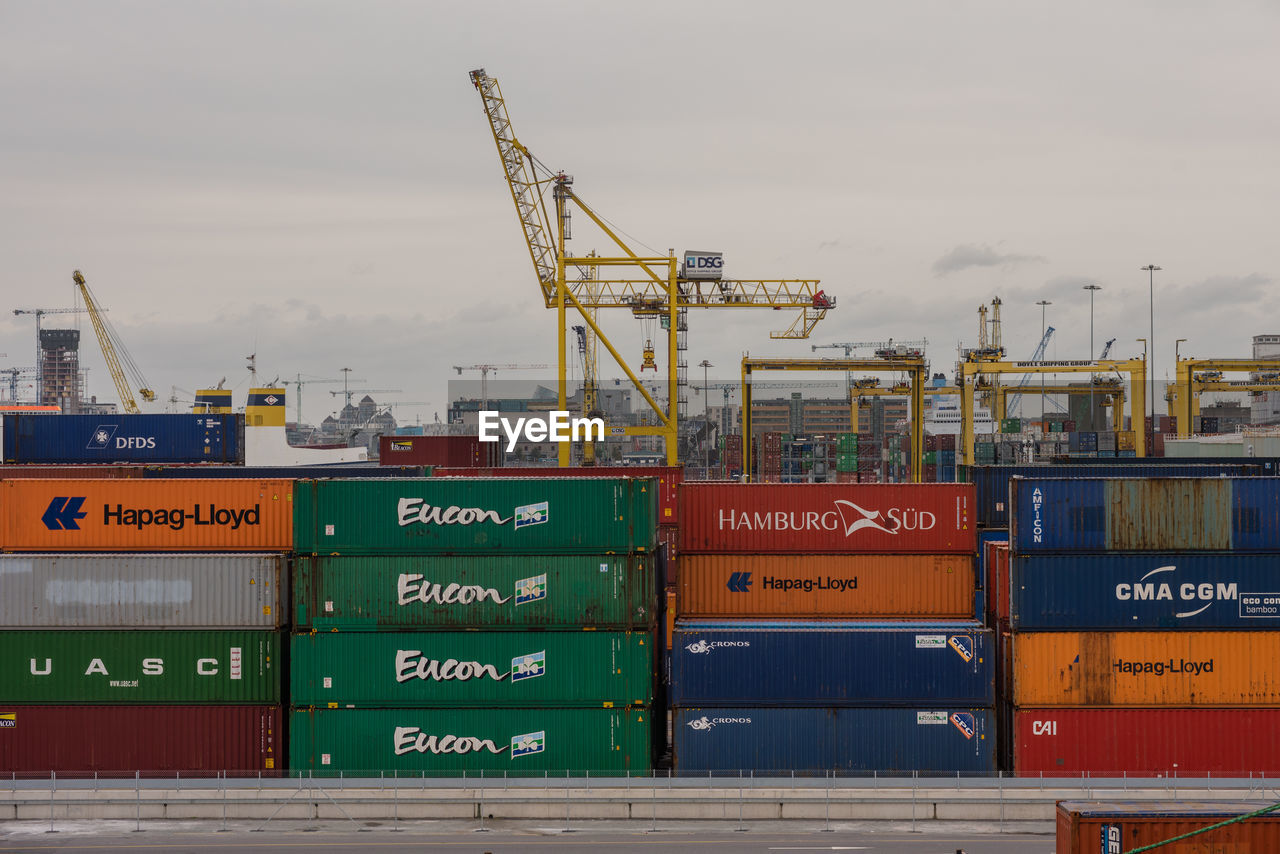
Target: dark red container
1147, 742
669, 478
438, 451
73, 472
150, 739
1092, 827
996, 582
947, 442
822, 518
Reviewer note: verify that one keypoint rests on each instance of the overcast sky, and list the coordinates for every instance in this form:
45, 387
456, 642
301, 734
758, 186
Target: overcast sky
316, 183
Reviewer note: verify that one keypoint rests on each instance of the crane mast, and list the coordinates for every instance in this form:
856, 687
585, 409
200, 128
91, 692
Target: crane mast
655, 286
108, 341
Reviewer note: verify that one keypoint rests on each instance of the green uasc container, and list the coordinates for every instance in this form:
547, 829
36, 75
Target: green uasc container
372, 592
510, 742
119, 667
476, 515
404, 669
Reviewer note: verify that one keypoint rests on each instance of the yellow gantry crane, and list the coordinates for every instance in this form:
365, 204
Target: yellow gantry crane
1189, 384
113, 350
647, 285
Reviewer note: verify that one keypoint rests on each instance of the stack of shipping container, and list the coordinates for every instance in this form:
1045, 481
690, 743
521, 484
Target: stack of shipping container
452, 625
141, 624
1145, 626
829, 627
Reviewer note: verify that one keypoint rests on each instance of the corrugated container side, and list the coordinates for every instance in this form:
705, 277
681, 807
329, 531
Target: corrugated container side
894, 586
737, 518
997, 582
669, 478
438, 451
933, 741
1148, 590
140, 667
992, 482
498, 591
1157, 514
1141, 669
146, 515
467, 515
1093, 827
348, 472
719, 665
121, 438
72, 740
28, 472
407, 669
137, 591
1147, 742
446, 742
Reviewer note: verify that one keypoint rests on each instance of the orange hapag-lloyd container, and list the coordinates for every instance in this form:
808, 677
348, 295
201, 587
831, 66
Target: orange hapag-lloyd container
838, 587
218, 514
1146, 669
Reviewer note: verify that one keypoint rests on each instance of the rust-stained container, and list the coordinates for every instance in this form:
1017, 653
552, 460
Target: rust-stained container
997, 582
835, 587
69, 740
146, 515
668, 477
1147, 742
1176, 668
823, 518
1113, 827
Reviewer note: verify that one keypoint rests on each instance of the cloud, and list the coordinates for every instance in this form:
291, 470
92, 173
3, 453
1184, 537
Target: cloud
972, 255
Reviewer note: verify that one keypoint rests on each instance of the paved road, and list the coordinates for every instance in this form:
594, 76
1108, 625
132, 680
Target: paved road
517, 838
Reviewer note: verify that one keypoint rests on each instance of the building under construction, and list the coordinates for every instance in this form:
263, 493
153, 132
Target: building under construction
61, 383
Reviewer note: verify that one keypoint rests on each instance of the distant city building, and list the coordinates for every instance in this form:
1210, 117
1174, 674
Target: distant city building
1265, 408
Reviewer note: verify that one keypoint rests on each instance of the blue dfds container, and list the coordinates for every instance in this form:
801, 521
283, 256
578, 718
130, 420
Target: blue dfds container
991, 483
716, 664
1195, 514
932, 742
122, 438
1148, 591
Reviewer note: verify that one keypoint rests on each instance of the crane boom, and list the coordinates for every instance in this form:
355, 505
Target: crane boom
1035, 357
112, 347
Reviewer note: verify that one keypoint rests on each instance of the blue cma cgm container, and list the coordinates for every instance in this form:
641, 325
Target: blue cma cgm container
934, 741
714, 664
1146, 591
1240, 514
122, 438
991, 483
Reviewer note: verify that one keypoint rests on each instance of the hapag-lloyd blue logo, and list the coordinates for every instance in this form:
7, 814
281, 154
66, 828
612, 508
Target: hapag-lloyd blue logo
62, 513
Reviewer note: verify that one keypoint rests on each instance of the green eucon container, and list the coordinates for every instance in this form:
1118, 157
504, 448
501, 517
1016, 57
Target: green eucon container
125, 667
476, 515
444, 742
371, 592
402, 669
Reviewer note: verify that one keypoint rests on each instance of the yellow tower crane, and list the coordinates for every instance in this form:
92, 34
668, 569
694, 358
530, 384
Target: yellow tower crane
113, 350
650, 286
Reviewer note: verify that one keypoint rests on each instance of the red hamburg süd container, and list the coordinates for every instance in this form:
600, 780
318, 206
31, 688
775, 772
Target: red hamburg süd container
1147, 742
996, 563
1092, 827
25, 472
438, 451
669, 478
151, 739
827, 518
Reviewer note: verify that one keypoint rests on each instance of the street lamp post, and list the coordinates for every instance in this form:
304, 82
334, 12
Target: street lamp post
1177, 356
1092, 289
1146, 367
1151, 296
706, 450
1043, 304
